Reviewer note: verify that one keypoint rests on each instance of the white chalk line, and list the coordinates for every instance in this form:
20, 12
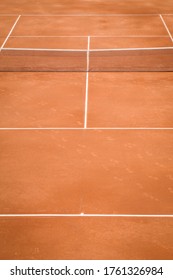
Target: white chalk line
167, 29
91, 215
91, 36
88, 51
10, 32
86, 128
86, 15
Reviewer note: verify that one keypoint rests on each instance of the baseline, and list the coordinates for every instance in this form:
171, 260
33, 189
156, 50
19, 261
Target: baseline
91, 215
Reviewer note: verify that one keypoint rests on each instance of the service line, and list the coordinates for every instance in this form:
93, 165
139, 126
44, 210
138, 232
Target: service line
91, 215
86, 128
90, 50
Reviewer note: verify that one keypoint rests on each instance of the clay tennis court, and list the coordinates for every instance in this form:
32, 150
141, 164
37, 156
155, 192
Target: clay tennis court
86, 164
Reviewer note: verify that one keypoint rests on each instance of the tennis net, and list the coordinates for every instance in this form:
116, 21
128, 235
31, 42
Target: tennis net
96, 60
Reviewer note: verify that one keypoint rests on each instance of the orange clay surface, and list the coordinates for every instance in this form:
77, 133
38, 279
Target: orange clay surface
93, 25
93, 171
78, 143
86, 238
86, 6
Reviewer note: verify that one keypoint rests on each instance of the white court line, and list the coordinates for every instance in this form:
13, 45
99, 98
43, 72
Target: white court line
37, 49
92, 36
132, 49
131, 128
86, 128
91, 15
86, 90
81, 15
41, 128
92, 215
60, 36
90, 50
10, 32
167, 29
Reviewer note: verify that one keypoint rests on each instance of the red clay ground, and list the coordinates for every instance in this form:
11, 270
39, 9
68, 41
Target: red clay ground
87, 6
66, 150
